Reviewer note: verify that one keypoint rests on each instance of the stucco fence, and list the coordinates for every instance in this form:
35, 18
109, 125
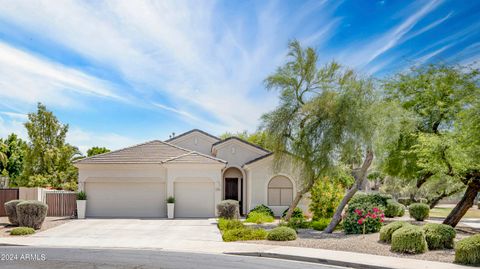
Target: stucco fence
60, 203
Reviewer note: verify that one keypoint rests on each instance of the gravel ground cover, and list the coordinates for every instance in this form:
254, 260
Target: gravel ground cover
50, 222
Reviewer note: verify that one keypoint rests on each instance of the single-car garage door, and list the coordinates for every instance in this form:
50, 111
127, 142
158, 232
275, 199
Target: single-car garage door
194, 199
126, 199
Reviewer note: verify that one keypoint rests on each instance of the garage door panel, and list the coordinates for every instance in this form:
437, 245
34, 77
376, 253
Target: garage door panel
125, 199
194, 199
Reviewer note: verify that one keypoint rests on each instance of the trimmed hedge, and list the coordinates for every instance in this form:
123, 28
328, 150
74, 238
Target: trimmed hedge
419, 211
228, 209
394, 209
259, 217
11, 211
282, 234
31, 214
409, 239
467, 250
387, 230
244, 234
262, 208
439, 236
229, 224
374, 199
406, 201
320, 224
297, 213
22, 231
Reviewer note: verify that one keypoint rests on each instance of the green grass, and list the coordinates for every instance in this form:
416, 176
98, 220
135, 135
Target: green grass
442, 212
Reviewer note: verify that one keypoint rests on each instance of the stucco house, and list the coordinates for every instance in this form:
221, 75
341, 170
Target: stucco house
197, 168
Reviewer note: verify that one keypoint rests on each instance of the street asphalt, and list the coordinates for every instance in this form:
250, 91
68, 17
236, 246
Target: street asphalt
85, 258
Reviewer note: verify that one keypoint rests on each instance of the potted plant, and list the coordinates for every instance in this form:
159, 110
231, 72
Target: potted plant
170, 207
81, 204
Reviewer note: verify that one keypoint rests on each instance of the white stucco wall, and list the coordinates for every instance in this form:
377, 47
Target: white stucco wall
258, 176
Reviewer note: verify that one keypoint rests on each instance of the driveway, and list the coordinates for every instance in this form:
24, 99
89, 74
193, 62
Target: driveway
196, 235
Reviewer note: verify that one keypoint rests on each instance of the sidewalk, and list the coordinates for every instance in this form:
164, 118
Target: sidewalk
347, 259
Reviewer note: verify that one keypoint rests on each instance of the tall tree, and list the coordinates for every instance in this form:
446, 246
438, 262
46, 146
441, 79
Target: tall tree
14, 150
48, 157
435, 95
258, 138
96, 150
325, 116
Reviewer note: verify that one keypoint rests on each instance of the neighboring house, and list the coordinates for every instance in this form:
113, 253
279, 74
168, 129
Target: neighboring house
197, 168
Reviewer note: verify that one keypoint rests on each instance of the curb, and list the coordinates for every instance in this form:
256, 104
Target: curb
308, 259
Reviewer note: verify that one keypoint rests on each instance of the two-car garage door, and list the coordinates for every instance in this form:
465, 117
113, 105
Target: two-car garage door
148, 199
126, 199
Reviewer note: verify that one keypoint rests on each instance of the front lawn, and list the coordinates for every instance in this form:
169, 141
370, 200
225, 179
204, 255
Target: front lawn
442, 212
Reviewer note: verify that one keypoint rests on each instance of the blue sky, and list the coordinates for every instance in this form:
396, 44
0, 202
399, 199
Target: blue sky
123, 72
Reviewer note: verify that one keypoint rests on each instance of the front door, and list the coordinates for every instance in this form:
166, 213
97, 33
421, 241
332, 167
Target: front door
231, 189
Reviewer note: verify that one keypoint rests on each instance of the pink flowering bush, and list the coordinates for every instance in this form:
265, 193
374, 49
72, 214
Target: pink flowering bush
363, 220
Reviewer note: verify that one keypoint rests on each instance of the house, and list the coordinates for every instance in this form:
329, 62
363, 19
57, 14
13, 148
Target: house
197, 168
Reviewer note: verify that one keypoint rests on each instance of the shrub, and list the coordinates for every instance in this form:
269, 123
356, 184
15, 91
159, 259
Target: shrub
11, 211
409, 239
259, 217
419, 211
387, 230
297, 213
374, 199
81, 195
297, 223
282, 234
439, 236
22, 231
320, 224
401, 211
229, 224
244, 234
467, 250
393, 209
262, 208
325, 196
363, 220
31, 214
228, 209
171, 200
404, 201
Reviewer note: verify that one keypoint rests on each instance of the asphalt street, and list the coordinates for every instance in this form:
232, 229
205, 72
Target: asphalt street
53, 258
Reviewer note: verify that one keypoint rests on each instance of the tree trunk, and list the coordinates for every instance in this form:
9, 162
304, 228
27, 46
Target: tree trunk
463, 206
297, 199
359, 178
419, 184
434, 202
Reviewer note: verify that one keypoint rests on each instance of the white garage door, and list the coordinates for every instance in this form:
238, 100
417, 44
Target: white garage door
194, 199
126, 199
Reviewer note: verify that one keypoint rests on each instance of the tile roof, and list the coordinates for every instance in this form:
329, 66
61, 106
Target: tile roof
258, 159
155, 151
191, 131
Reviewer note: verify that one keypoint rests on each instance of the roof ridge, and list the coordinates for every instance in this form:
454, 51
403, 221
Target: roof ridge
118, 150
191, 131
241, 140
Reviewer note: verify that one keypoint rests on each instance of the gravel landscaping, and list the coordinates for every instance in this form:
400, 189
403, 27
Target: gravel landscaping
50, 222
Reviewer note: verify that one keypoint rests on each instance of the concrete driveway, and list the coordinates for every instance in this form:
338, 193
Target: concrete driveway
196, 235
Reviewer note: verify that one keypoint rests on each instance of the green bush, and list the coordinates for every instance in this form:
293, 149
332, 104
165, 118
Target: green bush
297, 213
374, 199
409, 239
439, 236
22, 231
81, 195
393, 209
282, 234
387, 230
244, 234
262, 208
171, 200
320, 224
229, 224
259, 217
363, 219
31, 214
401, 211
419, 211
325, 196
298, 223
11, 211
467, 250
228, 209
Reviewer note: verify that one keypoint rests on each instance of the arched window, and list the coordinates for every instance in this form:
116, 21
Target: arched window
280, 191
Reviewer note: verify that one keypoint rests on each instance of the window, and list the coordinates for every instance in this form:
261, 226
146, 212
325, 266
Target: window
280, 191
